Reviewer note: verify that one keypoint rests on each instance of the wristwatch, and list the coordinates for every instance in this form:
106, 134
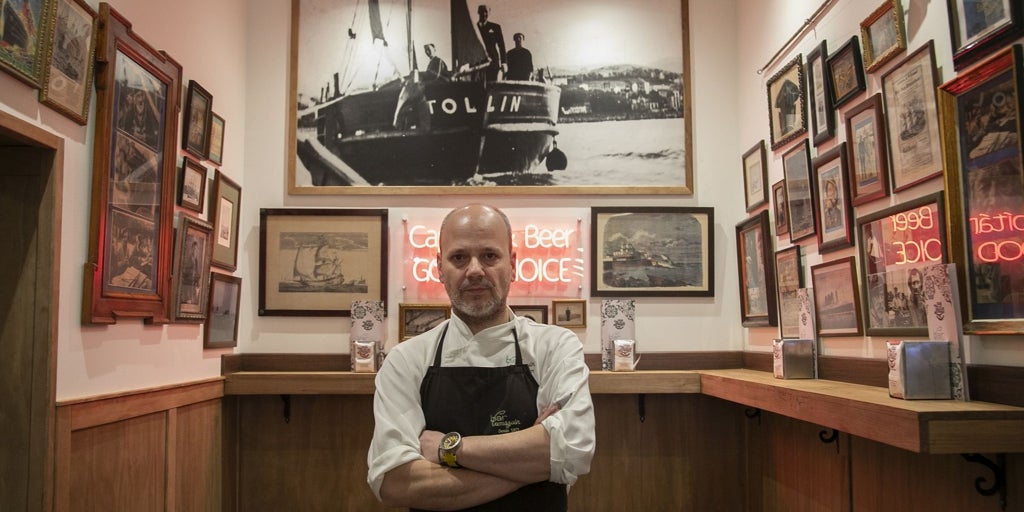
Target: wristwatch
446, 450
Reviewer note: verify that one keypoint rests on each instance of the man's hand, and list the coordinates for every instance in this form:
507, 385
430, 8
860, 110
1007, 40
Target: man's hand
547, 411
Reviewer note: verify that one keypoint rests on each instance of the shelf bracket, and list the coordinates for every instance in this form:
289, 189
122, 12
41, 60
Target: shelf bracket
752, 413
286, 408
641, 405
830, 435
998, 475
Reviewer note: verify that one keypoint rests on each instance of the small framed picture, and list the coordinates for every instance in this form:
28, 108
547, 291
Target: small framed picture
846, 73
789, 279
191, 270
912, 119
787, 114
538, 314
756, 269
192, 185
977, 28
823, 115
222, 323
836, 308
883, 34
225, 207
215, 152
781, 212
66, 84
569, 312
796, 165
196, 125
865, 132
416, 319
755, 175
25, 27
835, 212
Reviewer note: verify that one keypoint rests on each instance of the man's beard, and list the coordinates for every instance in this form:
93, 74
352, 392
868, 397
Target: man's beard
478, 311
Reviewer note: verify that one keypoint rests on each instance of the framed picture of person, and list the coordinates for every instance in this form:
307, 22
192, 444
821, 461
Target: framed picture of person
66, 84
23, 39
787, 112
196, 124
192, 185
780, 204
912, 119
883, 35
796, 166
978, 28
869, 162
789, 279
755, 176
836, 304
536, 313
416, 319
823, 114
225, 208
221, 329
191, 270
834, 211
757, 272
846, 73
571, 313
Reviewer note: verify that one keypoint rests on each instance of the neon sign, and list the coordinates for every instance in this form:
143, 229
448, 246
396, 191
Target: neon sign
913, 250
987, 226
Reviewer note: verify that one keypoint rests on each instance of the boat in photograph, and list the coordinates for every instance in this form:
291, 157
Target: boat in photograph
422, 130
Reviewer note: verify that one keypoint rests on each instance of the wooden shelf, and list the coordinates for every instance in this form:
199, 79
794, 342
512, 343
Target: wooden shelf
298, 383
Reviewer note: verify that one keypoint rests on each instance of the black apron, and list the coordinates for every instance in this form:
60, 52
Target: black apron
486, 401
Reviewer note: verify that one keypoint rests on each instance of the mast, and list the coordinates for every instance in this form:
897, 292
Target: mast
410, 46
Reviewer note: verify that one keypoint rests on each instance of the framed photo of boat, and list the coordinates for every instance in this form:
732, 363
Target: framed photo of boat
66, 84
222, 321
416, 319
652, 251
23, 40
191, 270
836, 304
754, 250
416, 97
536, 313
225, 207
134, 175
316, 261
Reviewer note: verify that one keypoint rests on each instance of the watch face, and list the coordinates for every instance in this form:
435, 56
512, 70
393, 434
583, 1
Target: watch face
450, 441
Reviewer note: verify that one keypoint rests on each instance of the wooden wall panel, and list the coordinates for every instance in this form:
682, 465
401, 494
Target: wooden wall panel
198, 457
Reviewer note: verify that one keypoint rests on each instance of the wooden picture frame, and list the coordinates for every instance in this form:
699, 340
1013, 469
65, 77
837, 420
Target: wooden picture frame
869, 162
895, 243
789, 278
24, 56
316, 261
823, 115
215, 151
780, 204
192, 185
66, 84
755, 176
836, 302
132, 212
796, 167
984, 185
652, 251
883, 34
195, 126
787, 112
444, 145
570, 313
537, 313
756, 271
977, 29
191, 274
832, 190
416, 319
912, 119
225, 208
221, 327
846, 73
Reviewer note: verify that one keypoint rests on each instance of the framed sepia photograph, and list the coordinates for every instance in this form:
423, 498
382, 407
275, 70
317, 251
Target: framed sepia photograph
981, 115
883, 34
316, 261
834, 211
24, 29
538, 314
570, 313
361, 122
191, 270
796, 166
912, 119
781, 208
846, 73
416, 319
755, 176
823, 115
894, 244
222, 321
978, 28
869, 163
215, 151
192, 185
225, 207
787, 112
195, 124
836, 304
789, 279
134, 175
652, 251
757, 274
66, 84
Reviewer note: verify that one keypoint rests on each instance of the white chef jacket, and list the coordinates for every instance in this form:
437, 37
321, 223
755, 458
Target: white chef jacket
555, 358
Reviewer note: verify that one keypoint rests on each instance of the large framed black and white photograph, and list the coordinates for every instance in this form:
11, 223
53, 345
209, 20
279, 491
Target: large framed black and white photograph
754, 250
652, 251
979, 27
796, 166
787, 111
398, 97
316, 261
912, 119
66, 84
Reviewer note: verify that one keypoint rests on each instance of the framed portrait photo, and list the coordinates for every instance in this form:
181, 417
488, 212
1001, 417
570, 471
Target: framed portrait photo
222, 321
834, 211
869, 163
538, 314
894, 244
978, 28
196, 123
883, 34
225, 207
781, 208
984, 177
846, 73
192, 185
316, 261
912, 119
789, 279
215, 152
755, 176
570, 313
836, 304
796, 166
191, 270
787, 113
66, 84
823, 115
26, 25
757, 271
652, 251
416, 319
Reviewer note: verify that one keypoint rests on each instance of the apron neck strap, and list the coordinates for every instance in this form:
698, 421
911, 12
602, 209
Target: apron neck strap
444, 332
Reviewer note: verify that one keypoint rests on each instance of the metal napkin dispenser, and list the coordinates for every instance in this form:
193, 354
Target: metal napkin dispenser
794, 359
919, 370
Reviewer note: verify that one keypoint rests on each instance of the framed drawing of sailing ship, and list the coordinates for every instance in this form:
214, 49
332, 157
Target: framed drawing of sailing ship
315, 262
444, 96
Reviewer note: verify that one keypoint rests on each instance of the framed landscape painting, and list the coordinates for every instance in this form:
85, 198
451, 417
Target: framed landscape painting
416, 319
361, 123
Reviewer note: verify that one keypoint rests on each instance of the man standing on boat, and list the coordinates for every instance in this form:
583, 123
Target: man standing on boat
436, 67
520, 60
494, 42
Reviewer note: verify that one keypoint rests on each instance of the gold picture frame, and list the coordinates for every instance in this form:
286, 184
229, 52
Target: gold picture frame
416, 319
571, 313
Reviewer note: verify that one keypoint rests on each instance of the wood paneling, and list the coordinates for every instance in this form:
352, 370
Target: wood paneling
679, 360
197, 457
119, 466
